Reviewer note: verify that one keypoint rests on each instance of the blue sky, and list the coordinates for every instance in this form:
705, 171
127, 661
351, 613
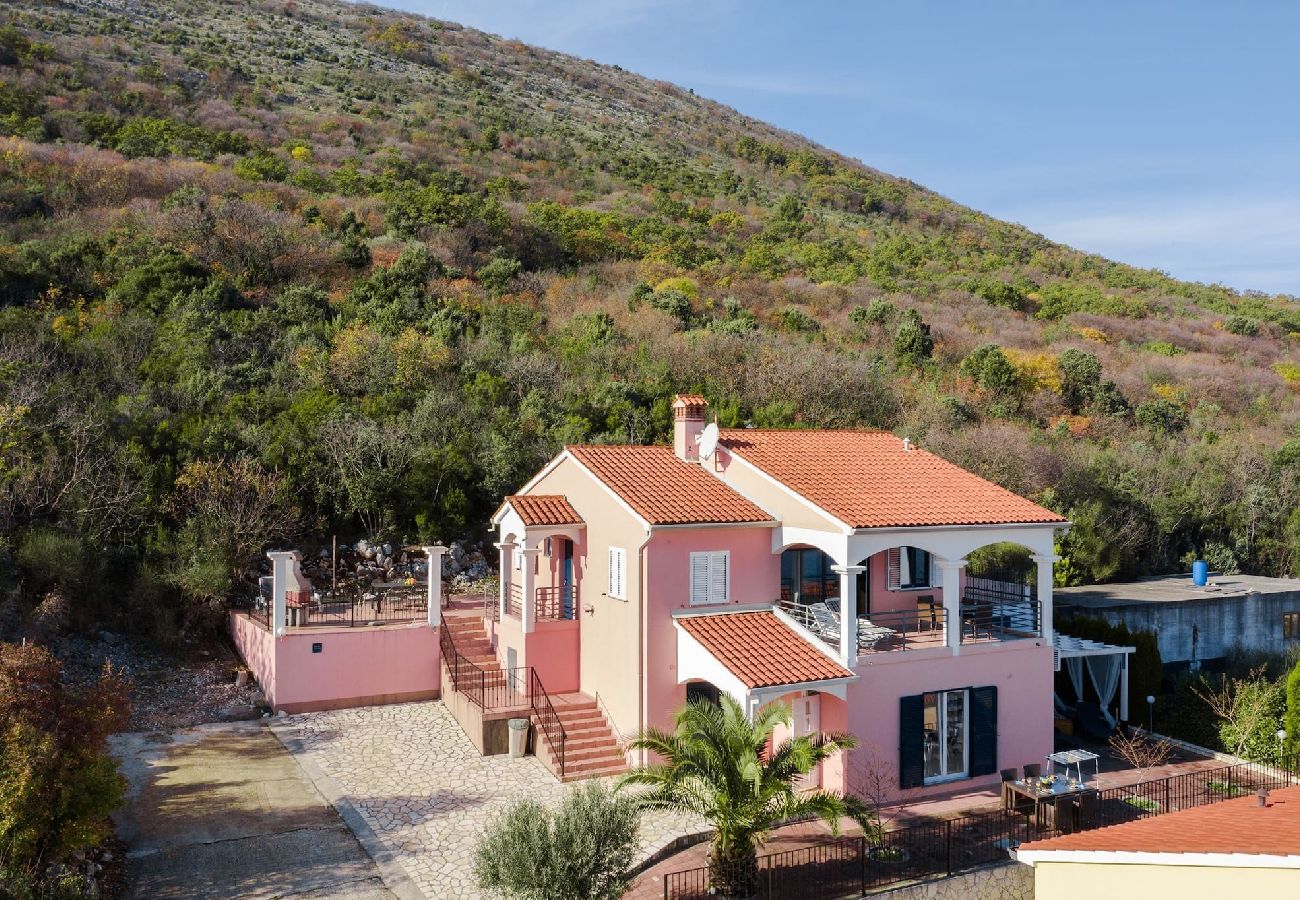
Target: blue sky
1158, 133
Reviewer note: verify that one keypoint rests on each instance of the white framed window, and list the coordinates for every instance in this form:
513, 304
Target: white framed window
710, 577
908, 569
617, 573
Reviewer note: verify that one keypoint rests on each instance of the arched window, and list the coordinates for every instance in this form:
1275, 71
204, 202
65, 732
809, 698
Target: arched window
807, 577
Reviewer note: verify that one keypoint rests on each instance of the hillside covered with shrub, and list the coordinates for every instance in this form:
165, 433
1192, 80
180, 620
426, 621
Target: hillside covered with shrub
271, 270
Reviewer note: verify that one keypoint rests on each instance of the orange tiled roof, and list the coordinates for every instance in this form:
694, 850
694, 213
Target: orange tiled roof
760, 649
1230, 826
689, 400
544, 509
663, 489
866, 480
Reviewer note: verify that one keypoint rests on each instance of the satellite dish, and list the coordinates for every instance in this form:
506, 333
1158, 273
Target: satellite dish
708, 440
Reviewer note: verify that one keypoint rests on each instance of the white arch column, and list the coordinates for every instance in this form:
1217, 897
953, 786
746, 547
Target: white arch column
951, 570
848, 613
505, 568
435, 553
1045, 583
528, 609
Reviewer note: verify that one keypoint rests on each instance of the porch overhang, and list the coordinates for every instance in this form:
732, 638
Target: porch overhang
753, 656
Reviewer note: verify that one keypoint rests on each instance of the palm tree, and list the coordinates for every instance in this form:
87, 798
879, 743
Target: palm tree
713, 763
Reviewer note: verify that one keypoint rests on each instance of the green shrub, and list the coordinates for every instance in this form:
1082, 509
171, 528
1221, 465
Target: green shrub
1080, 378
583, 851
1161, 416
1243, 325
798, 321
989, 367
499, 274
999, 293
262, 165
912, 340
1292, 720
58, 782
880, 312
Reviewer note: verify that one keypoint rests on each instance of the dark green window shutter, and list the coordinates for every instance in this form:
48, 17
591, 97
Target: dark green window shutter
911, 741
983, 730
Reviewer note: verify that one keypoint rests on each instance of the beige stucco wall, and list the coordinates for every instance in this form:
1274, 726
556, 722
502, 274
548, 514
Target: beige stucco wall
790, 510
1005, 881
611, 634
1089, 881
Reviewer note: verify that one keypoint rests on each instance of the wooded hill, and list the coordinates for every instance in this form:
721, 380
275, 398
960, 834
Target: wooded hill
274, 270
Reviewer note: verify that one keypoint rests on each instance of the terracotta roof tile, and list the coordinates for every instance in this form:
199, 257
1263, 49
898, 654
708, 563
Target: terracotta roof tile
689, 400
1229, 826
760, 649
867, 480
544, 509
663, 489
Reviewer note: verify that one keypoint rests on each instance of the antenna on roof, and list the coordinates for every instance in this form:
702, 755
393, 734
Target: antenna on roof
708, 440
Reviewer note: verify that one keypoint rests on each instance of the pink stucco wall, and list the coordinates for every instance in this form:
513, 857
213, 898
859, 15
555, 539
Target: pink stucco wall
257, 649
1021, 671
356, 666
755, 578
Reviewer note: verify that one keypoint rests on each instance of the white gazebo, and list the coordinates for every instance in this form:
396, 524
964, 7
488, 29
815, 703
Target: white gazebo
1106, 664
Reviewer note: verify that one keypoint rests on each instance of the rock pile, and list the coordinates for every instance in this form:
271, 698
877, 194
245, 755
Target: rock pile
367, 564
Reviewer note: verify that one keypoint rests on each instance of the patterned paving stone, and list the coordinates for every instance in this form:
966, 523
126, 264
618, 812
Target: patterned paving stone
420, 785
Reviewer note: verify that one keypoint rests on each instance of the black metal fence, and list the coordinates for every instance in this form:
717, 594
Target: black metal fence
851, 867
364, 606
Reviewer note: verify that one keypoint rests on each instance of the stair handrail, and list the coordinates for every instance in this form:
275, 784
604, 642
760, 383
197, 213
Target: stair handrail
459, 666
548, 720
613, 726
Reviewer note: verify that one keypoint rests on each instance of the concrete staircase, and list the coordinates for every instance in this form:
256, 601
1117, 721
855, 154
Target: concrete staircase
590, 749
472, 642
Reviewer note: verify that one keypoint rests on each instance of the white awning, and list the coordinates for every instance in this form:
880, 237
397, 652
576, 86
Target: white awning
1109, 676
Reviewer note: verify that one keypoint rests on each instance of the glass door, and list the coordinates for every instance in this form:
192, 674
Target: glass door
945, 722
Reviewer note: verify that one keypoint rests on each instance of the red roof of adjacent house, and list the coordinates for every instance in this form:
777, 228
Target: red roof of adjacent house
1229, 826
867, 480
663, 489
544, 509
760, 649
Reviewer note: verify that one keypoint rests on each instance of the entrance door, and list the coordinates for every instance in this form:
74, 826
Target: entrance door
566, 591
808, 720
864, 589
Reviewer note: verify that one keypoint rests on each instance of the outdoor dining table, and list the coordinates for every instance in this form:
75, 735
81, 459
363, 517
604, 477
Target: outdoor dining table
1041, 798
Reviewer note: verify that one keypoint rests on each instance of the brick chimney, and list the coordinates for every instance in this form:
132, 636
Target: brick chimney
688, 422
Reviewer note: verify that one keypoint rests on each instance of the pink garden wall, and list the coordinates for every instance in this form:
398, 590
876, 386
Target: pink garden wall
352, 667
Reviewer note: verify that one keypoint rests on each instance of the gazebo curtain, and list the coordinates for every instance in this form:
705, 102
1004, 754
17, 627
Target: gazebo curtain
1104, 672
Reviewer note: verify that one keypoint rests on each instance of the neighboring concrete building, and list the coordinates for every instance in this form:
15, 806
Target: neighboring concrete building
823, 569
1236, 848
1197, 625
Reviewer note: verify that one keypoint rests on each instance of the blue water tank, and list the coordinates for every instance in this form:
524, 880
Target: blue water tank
1200, 573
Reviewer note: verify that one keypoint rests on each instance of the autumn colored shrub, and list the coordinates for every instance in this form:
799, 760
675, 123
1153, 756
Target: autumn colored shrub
58, 782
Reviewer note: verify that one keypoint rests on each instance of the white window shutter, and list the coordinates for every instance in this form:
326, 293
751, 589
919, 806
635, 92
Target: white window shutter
700, 578
718, 577
894, 568
617, 587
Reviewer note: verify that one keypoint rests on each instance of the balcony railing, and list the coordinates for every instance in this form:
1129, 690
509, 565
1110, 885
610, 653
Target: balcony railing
558, 603
1001, 619
880, 632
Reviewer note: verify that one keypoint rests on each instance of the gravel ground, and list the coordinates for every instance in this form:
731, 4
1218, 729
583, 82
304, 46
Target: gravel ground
170, 691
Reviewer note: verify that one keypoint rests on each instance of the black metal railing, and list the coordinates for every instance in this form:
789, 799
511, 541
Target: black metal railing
488, 689
904, 629
547, 720
1006, 619
491, 601
853, 866
380, 605
559, 602
515, 601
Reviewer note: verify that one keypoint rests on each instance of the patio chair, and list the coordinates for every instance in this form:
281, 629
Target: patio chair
825, 622
1008, 796
1063, 814
1089, 810
1033, 770
873, 637
925, 603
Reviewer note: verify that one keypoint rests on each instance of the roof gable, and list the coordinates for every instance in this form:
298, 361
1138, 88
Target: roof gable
867, 479
664, 490
544, 509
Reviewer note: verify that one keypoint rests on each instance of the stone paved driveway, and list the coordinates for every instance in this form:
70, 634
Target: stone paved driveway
421, 790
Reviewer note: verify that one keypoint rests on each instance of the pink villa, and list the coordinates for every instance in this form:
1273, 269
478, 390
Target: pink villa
822, 569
